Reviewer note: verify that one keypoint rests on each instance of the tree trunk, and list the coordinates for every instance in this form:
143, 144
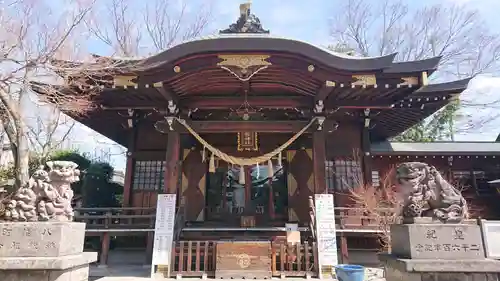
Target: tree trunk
21, 159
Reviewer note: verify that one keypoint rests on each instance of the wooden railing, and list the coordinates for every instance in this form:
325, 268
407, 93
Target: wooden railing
143, 219
359, 218
116, 218
294, 260
193, 258
107, 222
198, 259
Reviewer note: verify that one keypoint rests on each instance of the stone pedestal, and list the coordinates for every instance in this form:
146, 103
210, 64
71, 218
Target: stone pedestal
431, 241
51, 251
397, 269
438, 252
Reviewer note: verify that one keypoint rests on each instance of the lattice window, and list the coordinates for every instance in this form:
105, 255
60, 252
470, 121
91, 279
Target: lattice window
148, 175
459, 175
467, 174
342, 175
376, 178
479, 175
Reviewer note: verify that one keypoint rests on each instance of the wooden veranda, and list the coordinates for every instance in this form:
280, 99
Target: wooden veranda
138, 221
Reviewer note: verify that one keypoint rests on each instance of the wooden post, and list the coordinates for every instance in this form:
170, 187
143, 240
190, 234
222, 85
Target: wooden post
149, 247
319, 159
248, 191
344, 252
105, 243
343, 249
366, 150
106, 240
271, 198
172, 167
129, 169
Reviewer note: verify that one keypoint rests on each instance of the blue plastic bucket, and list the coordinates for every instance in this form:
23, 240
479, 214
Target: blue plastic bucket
350, 272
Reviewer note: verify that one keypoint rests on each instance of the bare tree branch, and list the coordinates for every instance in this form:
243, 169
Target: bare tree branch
33, 52
458, 34
159, 23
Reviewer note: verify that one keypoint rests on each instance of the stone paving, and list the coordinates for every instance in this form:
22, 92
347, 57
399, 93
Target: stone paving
371, 274
129, 266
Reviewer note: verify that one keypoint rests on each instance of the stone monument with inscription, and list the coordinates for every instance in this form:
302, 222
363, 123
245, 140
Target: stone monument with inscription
436, 240
38, 238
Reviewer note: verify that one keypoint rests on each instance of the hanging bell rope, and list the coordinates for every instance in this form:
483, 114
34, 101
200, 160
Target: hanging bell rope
211, 165
239, 160
241, 177
270, 171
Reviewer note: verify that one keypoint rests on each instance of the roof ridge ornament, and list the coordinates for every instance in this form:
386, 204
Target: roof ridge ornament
246, 23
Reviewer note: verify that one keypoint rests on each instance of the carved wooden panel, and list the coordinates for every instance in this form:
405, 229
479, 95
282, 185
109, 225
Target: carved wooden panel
193, 185
300, 183
240, 259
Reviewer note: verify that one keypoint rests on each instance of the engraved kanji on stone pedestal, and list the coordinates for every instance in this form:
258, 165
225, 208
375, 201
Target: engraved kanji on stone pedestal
38, 240
436, 240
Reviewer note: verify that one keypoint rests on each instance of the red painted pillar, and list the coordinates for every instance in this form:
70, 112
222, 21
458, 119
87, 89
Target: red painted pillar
129, 168
172, 165
319, 159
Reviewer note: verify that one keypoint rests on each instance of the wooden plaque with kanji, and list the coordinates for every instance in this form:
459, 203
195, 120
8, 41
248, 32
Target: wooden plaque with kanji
247, 141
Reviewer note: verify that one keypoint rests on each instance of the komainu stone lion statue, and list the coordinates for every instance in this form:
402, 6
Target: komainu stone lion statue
427, 194
45, 197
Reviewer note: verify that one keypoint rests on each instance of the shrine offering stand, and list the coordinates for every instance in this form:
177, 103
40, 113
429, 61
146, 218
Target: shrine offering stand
243, 259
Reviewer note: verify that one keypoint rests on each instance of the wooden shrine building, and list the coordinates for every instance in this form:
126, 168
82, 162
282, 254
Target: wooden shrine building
243, 127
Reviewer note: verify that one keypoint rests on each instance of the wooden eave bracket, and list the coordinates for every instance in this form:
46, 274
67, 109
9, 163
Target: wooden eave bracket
424, 79
364, 80
124, 81
409, 81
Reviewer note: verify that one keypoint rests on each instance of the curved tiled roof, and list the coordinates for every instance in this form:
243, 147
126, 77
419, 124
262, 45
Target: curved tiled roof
260, 43
266, 44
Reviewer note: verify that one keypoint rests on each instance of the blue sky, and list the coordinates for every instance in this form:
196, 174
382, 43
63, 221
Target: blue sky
308, 21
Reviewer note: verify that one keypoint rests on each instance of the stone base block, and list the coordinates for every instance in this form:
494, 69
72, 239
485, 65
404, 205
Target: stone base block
80, 273
437, 241
439, 270
41, 239
68, 268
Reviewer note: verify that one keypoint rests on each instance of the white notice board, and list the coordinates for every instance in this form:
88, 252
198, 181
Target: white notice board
325, 230
491, 237
164, 230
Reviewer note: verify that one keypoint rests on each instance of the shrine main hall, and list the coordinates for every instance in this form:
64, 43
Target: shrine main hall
244, 127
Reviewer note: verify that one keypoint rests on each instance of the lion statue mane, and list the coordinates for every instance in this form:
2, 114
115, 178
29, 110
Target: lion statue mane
427, 194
